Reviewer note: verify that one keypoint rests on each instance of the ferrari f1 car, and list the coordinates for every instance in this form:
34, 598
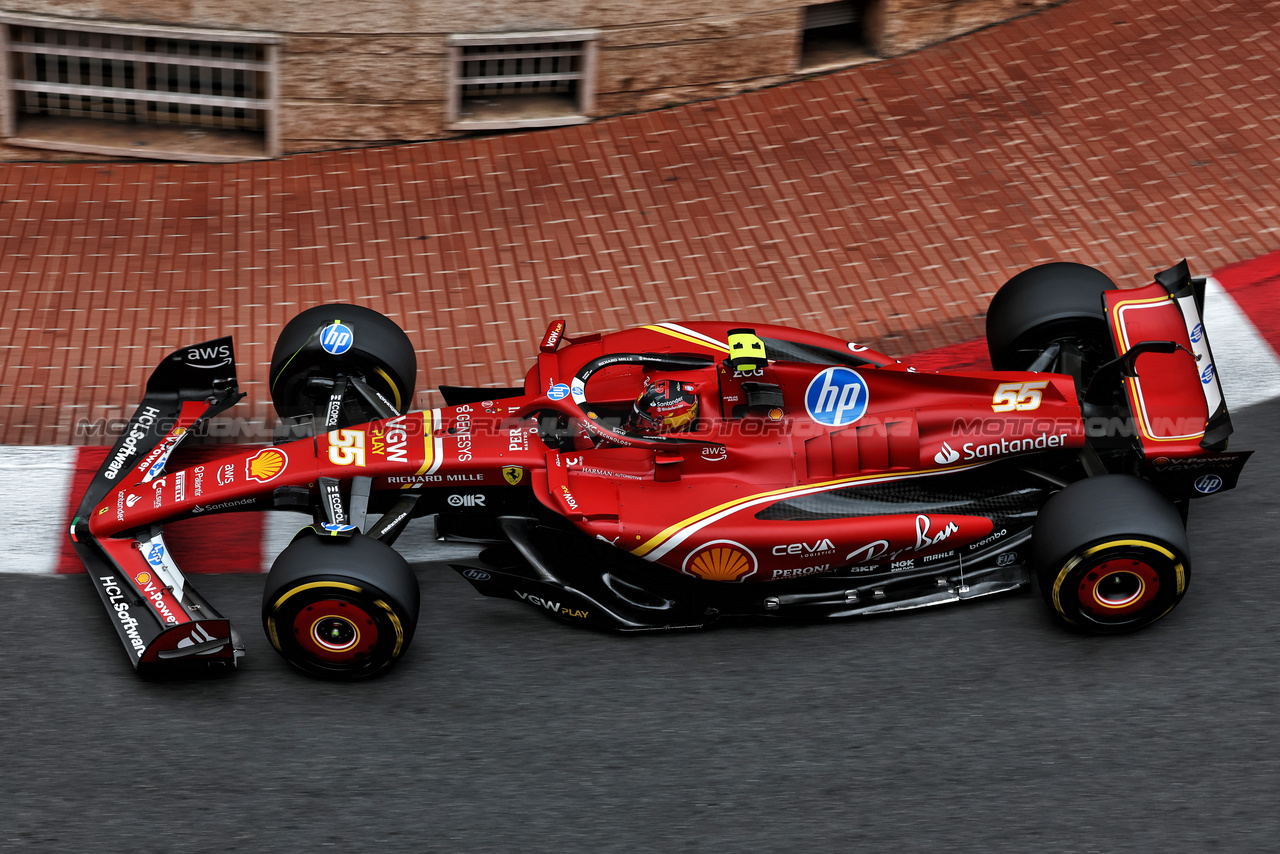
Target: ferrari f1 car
681, 474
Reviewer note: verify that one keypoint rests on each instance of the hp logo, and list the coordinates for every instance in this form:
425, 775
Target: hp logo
1197, 333
1208, 483
475, 574
836, 397
1206, 376
337, 339
156, 556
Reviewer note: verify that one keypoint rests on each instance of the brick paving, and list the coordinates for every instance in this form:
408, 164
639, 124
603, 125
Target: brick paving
884, 203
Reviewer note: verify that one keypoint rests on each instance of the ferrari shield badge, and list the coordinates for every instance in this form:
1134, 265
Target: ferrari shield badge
513, 474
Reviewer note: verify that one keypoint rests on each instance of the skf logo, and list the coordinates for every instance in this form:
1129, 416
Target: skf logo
265, 465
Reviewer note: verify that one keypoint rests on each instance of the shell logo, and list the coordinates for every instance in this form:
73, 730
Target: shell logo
721, 560
143, 578
266, 464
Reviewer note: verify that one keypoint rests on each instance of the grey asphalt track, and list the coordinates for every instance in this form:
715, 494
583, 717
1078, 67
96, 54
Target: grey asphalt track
979, 727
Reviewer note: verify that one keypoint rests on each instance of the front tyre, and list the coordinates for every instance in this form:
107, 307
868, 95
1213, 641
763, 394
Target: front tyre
328, 342
340, 608
1110, 554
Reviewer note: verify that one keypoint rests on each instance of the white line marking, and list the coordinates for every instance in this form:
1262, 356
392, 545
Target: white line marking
33, 506
1246, 364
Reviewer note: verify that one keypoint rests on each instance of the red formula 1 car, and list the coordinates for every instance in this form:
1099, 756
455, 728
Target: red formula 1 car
679, 474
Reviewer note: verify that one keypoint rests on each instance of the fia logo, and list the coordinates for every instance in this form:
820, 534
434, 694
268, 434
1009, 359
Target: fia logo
836, 397
337, 339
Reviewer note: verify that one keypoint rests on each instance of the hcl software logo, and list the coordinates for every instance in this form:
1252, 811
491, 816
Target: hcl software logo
836, 397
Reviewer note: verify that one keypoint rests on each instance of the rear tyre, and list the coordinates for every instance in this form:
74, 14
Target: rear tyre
340, 608
1059, 302
328, 341
1110, 554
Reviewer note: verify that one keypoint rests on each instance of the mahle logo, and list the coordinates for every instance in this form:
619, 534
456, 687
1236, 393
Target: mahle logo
836, 397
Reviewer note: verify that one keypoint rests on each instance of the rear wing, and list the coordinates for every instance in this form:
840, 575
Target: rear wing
1175, 397
158, 615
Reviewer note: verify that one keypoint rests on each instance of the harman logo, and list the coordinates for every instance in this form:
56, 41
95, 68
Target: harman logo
946, 456
337, 339
476, 574
836, 397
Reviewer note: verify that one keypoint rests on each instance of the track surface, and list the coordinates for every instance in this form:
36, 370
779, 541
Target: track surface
979, 727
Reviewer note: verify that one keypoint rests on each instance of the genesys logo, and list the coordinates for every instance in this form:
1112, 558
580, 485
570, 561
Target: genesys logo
208, 358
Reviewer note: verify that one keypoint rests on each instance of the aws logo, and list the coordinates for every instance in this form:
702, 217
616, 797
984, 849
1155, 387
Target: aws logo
208, 358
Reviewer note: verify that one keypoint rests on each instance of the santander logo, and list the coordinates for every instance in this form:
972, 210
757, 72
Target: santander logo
946, 456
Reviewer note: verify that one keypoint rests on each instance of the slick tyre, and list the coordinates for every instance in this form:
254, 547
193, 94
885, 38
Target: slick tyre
1110, 554
340, 608
1059, 302
326, 341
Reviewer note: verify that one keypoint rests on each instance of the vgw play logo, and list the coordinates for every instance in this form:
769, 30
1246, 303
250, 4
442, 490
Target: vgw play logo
836, 397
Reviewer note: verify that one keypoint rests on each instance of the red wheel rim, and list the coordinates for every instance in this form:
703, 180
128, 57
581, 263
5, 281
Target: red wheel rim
1118, 587
335, 630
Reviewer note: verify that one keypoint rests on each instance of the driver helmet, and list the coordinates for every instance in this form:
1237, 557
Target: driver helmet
665, 406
